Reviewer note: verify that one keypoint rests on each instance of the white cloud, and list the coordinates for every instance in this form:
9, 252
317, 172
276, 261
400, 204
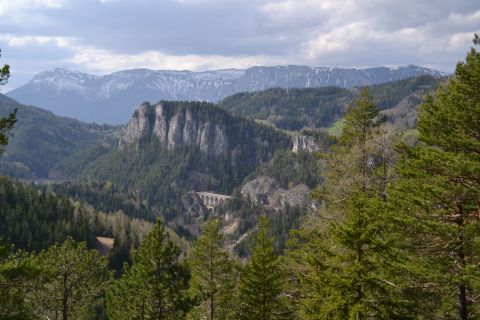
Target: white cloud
464, 18
11, 6
103, 61
20, 41
460, 40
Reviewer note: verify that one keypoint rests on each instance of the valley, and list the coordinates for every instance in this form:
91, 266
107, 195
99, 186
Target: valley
258, 148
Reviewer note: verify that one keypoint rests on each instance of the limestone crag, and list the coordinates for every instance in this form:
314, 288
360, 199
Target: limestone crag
304, 143
174, 127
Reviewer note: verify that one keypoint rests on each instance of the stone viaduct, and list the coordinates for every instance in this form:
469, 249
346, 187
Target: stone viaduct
212, 200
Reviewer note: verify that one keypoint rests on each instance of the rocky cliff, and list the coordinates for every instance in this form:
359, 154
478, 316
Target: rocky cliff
172, 147
174, 127
304, 143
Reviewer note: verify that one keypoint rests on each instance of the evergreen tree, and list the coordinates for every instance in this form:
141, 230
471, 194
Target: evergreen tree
345, 256
262, 285
155, 286
440, 195
213, 275
72, 282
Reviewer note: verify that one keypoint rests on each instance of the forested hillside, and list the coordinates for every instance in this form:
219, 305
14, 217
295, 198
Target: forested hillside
41, 140
204, 149
293, 109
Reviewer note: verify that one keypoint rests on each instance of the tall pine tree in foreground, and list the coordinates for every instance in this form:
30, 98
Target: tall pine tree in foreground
213, 276
440, 195
262, 286
344, 259
155, 286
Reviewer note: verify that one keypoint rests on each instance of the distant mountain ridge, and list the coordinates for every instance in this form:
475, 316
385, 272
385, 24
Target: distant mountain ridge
112, 98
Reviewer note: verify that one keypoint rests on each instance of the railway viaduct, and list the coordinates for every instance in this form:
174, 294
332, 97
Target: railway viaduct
212, 200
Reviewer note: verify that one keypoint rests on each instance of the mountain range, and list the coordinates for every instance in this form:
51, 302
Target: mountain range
112, 98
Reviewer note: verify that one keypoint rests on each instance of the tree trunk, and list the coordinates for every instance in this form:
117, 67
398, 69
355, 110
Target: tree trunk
212, 308
462, 301
462, 290
65, 298
212, 305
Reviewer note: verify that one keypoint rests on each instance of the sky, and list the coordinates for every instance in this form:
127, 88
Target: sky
104, 36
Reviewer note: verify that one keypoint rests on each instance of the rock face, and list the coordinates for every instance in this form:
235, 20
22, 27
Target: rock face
258, 189
265, 190
304, 143
174, 127
194, 213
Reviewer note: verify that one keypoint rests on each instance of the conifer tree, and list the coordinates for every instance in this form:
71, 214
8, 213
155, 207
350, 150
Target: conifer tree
213, 275
155, 286
72, 282
439, 193
262, 284
344, 257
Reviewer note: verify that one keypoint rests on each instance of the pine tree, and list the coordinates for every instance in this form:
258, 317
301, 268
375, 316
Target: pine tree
344, 258
262, 284
440, 195
213, 275
72, 283
155, 286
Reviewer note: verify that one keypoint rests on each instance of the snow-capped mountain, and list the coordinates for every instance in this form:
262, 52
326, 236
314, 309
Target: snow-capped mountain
113, 97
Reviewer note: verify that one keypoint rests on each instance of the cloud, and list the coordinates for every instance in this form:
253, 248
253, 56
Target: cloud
21, 41
13, 6
103, 36
102, 61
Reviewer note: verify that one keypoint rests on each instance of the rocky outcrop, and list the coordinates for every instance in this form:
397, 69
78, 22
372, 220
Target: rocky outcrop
265, 190
174, 126
297, 196
194, 213
258, 189
304, 143
139, 126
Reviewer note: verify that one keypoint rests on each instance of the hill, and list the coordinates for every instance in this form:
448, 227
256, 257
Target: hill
41, 140
188, 146
293, 109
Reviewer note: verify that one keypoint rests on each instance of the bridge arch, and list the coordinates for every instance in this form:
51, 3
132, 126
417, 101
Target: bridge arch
212, 200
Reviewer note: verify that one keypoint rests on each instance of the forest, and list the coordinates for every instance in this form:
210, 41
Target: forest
397, 235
